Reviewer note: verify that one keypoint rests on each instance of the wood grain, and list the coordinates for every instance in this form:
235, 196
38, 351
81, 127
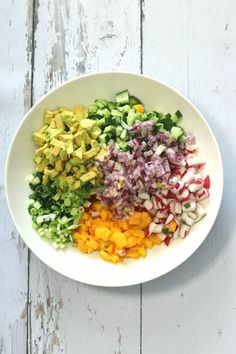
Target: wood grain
192, 309
71, 38
15, 69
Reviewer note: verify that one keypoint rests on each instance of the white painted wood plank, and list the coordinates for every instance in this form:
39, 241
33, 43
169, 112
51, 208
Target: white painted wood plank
15, 42
193, 309
74, 37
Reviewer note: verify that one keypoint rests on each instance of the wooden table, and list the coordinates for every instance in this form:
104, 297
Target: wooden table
188, 44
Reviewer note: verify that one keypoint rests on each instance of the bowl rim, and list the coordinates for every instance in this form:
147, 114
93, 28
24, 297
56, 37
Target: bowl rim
137, 75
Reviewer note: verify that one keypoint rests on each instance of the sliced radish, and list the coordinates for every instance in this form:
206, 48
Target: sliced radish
188, 177
172, 206
164, 192
202, 194
192, 215
169, 218
168, 240
189, 221
148, 204
183, 195
189, 206
194, 161
207, 182
144, 196
178, 208
184, 230
195, 186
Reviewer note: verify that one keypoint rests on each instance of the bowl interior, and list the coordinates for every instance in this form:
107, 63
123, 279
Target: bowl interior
90, 268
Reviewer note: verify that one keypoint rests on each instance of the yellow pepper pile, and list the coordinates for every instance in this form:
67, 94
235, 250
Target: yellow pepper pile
114, 239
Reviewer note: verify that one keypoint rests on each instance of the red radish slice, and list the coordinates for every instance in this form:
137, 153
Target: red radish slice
178, 208
168, 240
184, 230
184, 194
172, 206
188, 177
194, 161
189, 221
169, 218
195, 186
164, 192
207, 182
202, 194
148, 204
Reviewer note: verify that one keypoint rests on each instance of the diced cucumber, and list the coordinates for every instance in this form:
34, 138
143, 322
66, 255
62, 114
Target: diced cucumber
123, 145
108, 129
122, 97
116, 113
167, 122
108, 120
159, 127
103, 112
176, 133
131, 117
111, 105
176, 117
134, 100
101, 103
126, 108
101, 122
124, 134
119, 130
94, 116
103, 138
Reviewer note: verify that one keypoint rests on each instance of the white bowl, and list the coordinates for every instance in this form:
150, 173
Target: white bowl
90, 268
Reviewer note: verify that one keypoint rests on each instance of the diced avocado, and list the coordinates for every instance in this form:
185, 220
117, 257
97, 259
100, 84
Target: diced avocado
76, 185
53, 174
82, 136
70, 180
94, 143
68, 167
59, 122
63, 155
39, 138
90, 153
43, 129
65, 137
55, 150
95, 133
81, 112
47, 171
48, 116
75, 161
60, 144
52, 124
38, 159
88, 176
40, 150
87, 124
69, 147
54, 133
59, 166
79, 153
69, 118
45, 179
101, 154
46, 152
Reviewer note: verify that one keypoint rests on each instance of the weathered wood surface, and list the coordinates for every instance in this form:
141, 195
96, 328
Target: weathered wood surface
72, 38
193, 308
188, 44
15, 87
